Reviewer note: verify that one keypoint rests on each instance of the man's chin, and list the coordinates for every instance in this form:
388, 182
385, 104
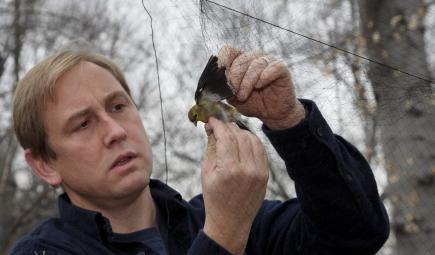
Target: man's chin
134, 187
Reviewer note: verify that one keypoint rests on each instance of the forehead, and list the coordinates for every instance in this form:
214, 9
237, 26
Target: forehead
85, 80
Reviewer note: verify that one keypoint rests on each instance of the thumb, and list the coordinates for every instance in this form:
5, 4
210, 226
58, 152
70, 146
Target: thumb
210, 156
211, 146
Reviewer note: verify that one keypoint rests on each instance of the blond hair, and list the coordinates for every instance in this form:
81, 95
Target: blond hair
37, 88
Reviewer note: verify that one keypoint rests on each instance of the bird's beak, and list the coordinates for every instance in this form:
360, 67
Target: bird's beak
195, 123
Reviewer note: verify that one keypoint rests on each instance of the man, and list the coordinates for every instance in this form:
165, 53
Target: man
74, 116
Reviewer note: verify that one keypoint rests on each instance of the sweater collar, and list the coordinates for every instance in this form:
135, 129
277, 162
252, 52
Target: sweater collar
95, 224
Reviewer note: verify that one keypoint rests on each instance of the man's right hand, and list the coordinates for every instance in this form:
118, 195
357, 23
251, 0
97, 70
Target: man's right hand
234, 179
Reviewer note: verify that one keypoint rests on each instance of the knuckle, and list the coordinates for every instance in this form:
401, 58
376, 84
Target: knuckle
260, 62
243, 59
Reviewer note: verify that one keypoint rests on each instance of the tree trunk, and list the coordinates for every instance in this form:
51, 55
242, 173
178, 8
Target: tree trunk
406, 115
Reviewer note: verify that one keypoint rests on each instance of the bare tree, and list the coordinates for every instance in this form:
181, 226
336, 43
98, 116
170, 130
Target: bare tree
399, 118
395, 36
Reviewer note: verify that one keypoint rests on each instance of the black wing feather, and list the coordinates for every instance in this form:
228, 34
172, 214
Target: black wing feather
213, 83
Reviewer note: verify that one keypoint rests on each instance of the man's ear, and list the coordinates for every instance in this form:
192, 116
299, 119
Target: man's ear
42, 168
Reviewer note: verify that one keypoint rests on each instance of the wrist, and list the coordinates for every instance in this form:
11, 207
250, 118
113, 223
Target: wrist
232, 238
293, 118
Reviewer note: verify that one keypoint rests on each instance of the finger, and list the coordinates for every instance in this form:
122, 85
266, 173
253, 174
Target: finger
238, 69
210, 156
208, 129
244, 146
226, 56
211, 145
251, 78
259, 152
246, 141
226, 144
274, 71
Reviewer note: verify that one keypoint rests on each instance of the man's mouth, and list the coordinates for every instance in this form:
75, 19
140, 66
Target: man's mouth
123, 159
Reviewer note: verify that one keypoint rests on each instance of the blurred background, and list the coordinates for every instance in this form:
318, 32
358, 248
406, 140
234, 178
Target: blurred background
368, 64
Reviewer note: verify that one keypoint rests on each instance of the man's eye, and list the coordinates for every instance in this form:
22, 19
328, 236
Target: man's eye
84, 124
118, 107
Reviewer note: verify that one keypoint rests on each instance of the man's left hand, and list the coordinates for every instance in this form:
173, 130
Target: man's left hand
263, 86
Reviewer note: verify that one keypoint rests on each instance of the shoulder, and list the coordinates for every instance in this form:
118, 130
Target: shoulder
45, 239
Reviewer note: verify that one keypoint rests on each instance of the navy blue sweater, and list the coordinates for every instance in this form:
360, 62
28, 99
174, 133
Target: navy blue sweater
337, 210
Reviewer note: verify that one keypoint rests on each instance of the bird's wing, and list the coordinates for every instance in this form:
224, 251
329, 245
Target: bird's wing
213, 84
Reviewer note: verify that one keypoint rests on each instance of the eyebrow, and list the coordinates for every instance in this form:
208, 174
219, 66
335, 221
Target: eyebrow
80, 114
84, 112
115, 94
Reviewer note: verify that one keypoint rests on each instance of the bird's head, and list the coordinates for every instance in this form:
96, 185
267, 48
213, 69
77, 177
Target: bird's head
193, 114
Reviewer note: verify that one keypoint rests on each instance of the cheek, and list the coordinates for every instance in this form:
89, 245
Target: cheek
80, 156
144, 141
139, 135
81, 169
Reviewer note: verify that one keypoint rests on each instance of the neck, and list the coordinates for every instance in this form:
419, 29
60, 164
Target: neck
126, 216
138, 215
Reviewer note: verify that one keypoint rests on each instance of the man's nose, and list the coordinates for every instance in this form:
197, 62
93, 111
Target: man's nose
114, 132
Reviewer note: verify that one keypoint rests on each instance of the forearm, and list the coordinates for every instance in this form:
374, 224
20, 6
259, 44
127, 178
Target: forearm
232, 236
334, 184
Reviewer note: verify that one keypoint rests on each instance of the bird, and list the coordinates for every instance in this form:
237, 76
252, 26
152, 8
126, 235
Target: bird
212, 89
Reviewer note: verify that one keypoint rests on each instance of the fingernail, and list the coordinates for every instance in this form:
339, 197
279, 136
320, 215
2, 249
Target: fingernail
207, 127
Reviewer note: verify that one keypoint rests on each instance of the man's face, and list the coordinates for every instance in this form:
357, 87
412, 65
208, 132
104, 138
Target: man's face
94, 128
